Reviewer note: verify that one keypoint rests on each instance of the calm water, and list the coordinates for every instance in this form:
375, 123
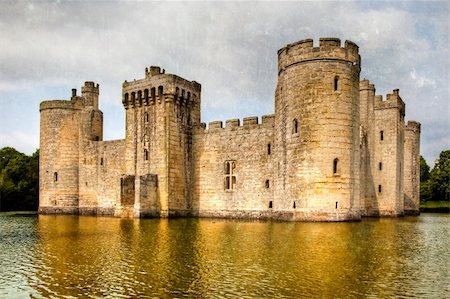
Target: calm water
65, 256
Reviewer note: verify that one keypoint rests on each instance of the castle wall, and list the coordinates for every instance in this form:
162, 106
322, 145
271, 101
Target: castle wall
333, 151
247, 147
411, 178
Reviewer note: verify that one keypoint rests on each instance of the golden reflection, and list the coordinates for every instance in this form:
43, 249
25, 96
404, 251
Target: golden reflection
89, 256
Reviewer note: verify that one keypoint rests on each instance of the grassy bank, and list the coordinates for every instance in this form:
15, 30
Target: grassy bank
435, 207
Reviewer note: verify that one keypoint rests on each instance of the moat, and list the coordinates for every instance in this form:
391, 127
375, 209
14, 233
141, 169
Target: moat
69, 256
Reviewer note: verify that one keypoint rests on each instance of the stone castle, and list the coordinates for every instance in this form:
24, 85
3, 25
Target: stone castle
333, 150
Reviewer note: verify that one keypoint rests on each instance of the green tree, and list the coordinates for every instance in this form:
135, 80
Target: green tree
19, 180
439, 182
425, 190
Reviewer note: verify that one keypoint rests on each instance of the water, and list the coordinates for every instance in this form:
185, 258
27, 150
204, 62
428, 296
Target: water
67, 256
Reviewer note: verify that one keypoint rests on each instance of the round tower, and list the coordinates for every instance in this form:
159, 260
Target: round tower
59, 154
317, 130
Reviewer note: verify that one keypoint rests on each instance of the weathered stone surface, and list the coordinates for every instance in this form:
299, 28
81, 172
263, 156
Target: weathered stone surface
316, 159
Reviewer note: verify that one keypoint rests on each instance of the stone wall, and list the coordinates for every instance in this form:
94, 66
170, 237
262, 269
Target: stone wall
250, 175
411, 178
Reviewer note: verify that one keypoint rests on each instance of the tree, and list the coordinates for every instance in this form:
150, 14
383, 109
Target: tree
19, 180
425, 190
440, 177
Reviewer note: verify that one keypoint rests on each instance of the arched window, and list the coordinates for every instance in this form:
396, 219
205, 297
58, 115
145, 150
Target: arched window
336, 83
145, 155
295, 126
335, 166
55, 176
146, 95
126, 98
153, 93
160, 92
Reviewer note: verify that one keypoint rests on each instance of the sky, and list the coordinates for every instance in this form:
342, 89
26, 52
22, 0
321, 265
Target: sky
49, 47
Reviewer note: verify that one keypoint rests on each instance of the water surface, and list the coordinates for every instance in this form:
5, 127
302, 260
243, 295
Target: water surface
71, 256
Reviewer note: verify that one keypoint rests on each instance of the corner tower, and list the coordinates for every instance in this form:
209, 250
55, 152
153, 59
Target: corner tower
318, 130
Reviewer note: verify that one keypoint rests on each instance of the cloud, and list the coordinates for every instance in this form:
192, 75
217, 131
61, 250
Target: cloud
230, 48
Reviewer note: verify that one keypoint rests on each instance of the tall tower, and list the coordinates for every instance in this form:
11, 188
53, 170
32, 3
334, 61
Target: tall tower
318, 130
160, 112
411, 178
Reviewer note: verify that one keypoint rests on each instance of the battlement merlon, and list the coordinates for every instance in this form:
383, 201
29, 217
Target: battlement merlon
393, 100
159, 86
366, 85
329, 49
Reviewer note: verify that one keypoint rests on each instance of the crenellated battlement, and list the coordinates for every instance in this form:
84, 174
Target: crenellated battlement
413, 126
329, 49
267, 121
366, 85
157, 87
393, 100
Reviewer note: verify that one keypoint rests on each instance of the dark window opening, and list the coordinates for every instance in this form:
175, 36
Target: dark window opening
146, 95
336, 204
379, 188
267, 184
146, 117
160, 92
146, 155
230, 176
269, 149
381, 135
126, 98
294, 204
55, 176
97, 138
270, 204
153, 94
86, 184
380, 165
336, 83
294, 126
101, 161
335, 166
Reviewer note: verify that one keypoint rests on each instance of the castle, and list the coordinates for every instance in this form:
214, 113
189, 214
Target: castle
333, 150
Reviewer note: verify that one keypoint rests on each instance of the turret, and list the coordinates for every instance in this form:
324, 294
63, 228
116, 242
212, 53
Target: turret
411, 178
317, 130
90, 93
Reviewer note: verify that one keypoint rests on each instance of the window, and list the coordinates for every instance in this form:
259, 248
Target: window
294, 204
55, 176
380, 165
145, 155
146, 117
294, 126
379, 188
269, 148
267, 184
381, 135
270, 204
336, 83
101, 161
336, 206
230, 177
335, 166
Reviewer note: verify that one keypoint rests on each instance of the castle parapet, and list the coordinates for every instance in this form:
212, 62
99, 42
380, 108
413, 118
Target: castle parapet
215, 125
413, 126
366, 85
393, 100
329, 49
158, 87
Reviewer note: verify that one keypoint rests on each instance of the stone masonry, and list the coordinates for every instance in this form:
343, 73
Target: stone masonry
332, 151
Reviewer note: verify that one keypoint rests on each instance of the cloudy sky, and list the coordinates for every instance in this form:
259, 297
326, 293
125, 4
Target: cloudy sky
47, 48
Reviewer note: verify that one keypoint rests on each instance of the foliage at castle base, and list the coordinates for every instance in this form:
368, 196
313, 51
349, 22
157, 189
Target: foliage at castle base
19, 180
435, 184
